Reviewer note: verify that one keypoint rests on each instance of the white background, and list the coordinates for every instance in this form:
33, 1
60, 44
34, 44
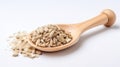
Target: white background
98, 47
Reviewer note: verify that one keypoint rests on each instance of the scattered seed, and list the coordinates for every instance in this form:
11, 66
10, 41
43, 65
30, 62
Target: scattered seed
20, 45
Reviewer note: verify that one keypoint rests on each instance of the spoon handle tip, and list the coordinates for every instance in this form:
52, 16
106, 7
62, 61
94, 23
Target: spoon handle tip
111, 17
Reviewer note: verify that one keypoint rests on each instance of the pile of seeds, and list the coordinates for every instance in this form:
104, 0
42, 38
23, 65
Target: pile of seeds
20, 45
45, 36
50, 36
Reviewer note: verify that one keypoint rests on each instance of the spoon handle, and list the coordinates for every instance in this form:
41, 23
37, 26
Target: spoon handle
106, 18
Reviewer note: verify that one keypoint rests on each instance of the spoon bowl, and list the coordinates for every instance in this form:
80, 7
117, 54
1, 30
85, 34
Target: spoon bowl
106, 18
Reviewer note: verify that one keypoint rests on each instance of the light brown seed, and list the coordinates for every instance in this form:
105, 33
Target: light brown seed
15, 54
51, 33
38, 52
38, 41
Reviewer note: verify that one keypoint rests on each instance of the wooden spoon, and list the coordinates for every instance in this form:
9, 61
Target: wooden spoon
106, 18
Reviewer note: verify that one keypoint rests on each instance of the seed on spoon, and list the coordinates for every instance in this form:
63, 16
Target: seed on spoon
51, 36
